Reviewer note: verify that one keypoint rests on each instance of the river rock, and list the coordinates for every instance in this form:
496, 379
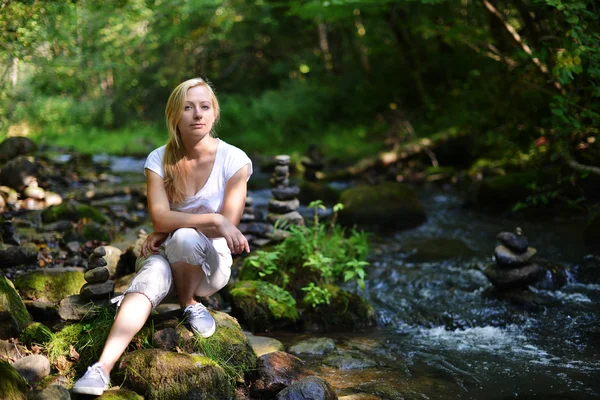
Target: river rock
161, 374
293, 218
13, 314
504, 278
35, 192
506, 257
285, 193
12, 384
309, 388
76, 308
11, 255
313, 346
282, 159
283, 206
97, 291
18, 173
16, 146
514, 242
52, 199
33, 368
53, 392
276, 371
263, 345
97, 275
256, 228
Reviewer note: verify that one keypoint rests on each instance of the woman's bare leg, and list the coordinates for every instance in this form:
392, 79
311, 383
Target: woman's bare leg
133, 314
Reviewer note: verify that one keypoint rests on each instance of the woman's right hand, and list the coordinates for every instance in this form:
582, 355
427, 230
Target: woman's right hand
153, 242
236, 241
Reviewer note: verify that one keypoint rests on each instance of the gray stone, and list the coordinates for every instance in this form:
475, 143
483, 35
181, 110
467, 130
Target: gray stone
97, 275
166, 339
74, 246
263, 345
53, 392
248, 217
11, 255
310, 388
504, 278
96, 262
282, 159
256, 228
293, 217
507, 258
99, 251
282, 170
285, 193
283, 206
98, 291
18, 173
33, 368
249, 201
76, 308
516, 243
313, 346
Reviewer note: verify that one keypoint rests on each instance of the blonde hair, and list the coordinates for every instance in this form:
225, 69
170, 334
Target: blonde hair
174, 165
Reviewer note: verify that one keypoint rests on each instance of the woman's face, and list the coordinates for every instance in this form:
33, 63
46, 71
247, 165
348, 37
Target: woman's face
198, 115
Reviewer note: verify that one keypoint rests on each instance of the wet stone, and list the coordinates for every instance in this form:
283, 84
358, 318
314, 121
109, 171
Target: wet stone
99, 251
97, 262
97, 275
285, 193
516, 243
282, 159
33, 368
313, 346
282, 170
506, 257
293, 217
166, 339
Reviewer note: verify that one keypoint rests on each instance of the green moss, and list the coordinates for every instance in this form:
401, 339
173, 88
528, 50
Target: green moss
36, 333
50, 285
12, 304
120, 394
95, 231
389, 205
72, 211
260, 304
161, 374
228, 347
345, 310
12, 385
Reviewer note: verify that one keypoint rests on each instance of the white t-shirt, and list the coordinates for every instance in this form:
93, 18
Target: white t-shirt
228, 160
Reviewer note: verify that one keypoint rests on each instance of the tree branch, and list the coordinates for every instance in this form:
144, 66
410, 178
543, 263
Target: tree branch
580, 167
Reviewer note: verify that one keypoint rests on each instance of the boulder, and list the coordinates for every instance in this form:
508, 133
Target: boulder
33, 368
16, 146
50, 285
261, 305
53, 392
12, 385
313, 346
18, 173
309, 388
97, 291
11, 255
263, 345
383, 207
13, 314
95, 231
76, 308
276, 371
159, 374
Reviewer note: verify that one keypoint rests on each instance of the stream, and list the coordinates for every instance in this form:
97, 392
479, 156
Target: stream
440, 335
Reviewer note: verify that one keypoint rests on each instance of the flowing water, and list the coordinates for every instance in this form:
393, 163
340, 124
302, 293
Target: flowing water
440, 334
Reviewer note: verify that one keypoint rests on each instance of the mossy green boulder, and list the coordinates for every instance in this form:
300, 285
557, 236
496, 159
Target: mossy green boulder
12, 385
13, 314
384, 207
72, 211
262, 306
36, 333
591, 234
120, 394
165, 375
50, 285
345, 310
95, 231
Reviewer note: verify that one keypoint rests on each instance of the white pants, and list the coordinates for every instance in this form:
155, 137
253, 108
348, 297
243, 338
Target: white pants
154, 277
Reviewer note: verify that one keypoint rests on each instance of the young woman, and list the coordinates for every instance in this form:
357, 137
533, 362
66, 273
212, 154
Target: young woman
196, 195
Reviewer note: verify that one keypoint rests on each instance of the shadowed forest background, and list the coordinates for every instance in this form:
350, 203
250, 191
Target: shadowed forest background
514, 84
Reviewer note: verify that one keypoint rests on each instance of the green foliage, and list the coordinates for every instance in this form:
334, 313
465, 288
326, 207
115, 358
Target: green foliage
318, 254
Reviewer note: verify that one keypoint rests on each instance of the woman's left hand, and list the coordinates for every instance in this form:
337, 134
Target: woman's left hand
153, 242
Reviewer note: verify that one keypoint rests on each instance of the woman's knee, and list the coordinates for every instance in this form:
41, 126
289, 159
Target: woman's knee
187, 245
154, 280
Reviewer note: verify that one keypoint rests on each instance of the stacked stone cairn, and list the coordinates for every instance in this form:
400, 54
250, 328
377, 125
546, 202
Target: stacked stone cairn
284, 203
513, 268
98, 286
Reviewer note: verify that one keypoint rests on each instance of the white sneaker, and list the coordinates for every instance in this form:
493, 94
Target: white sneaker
95, 381
200, 320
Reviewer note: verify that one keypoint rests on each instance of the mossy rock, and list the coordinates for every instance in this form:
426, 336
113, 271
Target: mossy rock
228, 347
120, 394
386, 206
72, 211
50, 285
159, 374
12, 310
345, 311
36, 333
591, 233
95, 231
501, 193
11, 255
262, 305
310, 191
12, 385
